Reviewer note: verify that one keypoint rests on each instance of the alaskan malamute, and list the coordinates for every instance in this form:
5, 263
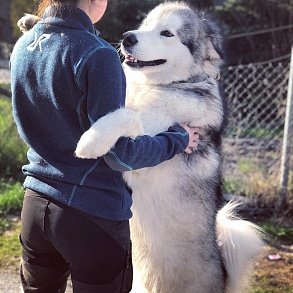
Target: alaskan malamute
184, 239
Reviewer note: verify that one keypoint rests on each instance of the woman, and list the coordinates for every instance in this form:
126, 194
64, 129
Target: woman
75, 212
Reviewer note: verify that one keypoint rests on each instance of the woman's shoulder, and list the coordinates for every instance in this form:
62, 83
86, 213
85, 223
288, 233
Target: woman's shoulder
87, 43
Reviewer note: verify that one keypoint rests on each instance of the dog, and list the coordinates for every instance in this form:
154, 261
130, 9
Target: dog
185, 238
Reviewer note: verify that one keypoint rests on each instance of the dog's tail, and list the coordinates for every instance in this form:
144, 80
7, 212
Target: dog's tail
240, 242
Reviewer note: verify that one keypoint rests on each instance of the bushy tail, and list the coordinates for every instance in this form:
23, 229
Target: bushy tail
240, 242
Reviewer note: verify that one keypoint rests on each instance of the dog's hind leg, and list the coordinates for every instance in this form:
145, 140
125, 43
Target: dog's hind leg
137, 286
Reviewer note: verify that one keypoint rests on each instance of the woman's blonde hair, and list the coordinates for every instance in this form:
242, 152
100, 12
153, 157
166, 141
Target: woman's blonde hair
43, 4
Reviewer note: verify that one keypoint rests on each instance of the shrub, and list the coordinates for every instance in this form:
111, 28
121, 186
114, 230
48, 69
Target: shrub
12, 149
11, 197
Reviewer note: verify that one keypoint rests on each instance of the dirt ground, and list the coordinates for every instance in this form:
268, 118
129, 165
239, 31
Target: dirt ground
273, 276
269, 276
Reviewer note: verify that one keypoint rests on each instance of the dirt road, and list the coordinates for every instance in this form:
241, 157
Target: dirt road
10, 283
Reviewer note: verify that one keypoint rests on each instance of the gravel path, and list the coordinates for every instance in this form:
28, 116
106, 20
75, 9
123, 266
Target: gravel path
10, 283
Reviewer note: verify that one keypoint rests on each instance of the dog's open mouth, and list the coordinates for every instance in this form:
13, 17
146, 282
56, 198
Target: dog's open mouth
132, 62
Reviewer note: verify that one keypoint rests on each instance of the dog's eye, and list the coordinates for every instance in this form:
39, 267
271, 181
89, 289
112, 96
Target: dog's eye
166, 33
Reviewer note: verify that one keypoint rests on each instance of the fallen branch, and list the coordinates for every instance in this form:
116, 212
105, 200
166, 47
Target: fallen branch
276, 244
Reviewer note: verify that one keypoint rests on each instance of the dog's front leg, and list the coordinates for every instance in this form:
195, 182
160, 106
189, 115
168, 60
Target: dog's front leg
104, 133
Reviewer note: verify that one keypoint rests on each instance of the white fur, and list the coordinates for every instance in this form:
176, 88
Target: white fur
168, 220
149, 38
240, 241
167, 223
96, 142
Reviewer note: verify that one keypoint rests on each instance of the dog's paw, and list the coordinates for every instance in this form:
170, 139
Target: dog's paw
104, 133
89, 145
92, 145
27, 22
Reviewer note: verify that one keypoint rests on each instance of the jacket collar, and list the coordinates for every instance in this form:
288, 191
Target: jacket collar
68, 16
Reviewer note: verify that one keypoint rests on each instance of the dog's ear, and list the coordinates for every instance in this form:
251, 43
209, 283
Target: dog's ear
215, 40
214, 49
27, 22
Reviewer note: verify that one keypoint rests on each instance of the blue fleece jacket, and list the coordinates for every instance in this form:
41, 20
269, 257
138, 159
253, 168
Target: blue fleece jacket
63, 78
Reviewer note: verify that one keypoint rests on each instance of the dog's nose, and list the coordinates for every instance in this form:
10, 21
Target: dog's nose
129, 39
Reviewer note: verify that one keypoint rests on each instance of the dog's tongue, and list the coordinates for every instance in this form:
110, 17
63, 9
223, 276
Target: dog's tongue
130, 58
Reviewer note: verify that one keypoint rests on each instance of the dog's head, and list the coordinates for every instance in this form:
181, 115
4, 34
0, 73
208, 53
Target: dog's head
173, 43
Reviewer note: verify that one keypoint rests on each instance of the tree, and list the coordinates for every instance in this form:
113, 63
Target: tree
234, 16
122, 16
18, 8
261, 26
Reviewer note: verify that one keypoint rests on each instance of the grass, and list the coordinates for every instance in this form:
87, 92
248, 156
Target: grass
234, 186
270, 277
12, 149
256, 184
12, 157
258, 132
273, 276
254, 132
251, 180
11, 196
10, 249
5, 86
282, 233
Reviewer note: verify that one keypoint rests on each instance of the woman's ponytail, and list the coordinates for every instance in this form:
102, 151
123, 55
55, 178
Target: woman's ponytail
43, 4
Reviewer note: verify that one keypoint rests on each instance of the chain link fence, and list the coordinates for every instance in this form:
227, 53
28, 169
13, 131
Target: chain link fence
256, 97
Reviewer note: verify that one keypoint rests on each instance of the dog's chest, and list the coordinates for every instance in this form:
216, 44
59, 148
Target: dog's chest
156, 107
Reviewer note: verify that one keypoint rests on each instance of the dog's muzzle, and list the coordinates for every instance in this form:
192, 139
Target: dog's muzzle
129, 40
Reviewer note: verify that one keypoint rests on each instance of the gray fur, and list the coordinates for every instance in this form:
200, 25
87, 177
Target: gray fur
180, 244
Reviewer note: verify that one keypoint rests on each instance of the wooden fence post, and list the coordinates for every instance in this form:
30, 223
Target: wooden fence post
287, 139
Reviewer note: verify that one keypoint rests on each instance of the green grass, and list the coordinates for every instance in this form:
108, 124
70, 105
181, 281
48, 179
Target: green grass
4, 225
269, 288
246, 167
283, 234
258, 132
5, 86
12, 157
11, 196
251, 179
12, 149
254, 132
234, 186
10, 249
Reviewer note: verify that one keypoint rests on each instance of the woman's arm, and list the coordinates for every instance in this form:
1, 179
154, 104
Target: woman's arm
101, 76
146, 151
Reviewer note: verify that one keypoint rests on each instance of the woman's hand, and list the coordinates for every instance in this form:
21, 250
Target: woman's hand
193, 138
